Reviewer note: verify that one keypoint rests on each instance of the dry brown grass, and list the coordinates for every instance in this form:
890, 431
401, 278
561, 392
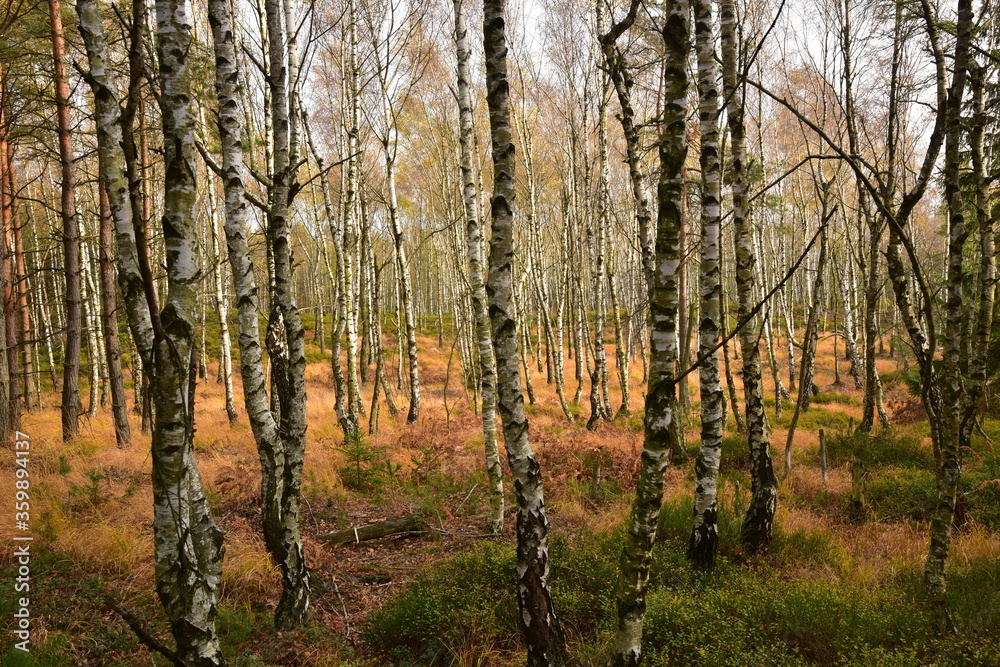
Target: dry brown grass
109, 531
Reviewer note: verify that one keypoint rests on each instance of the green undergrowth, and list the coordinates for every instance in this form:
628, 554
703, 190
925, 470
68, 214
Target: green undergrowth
813, 419
463, 610
879, 449
828, 397
903, 377
900, 480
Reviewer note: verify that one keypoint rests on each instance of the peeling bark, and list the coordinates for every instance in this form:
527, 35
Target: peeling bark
474, 235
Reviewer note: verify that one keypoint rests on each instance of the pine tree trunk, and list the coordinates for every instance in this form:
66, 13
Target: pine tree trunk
71, 233
9, 390
23, 323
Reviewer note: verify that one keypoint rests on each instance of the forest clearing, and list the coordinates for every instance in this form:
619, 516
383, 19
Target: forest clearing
414, 332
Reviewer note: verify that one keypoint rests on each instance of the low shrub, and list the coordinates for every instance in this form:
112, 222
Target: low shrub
879, 449
901, 493
470, 595
735, 615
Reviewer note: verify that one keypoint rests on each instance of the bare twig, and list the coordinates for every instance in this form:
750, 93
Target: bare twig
143, 632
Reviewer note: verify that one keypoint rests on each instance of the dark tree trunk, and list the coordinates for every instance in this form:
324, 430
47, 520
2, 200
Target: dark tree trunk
71, 233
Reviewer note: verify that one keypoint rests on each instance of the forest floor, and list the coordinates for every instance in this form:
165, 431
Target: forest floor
837, 588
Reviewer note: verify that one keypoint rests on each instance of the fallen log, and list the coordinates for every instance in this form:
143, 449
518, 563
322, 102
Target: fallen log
412, 523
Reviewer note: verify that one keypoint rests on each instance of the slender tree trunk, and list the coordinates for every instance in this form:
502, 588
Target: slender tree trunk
23, 324
137, 166
341, 292
9, 406
623, 82
809, 341
70, 231
734, 402
480, 306
952, 381
603, 223
849, 331
661, 399
704, 542
542, 631
92, 329
757, 524
350, 218
221, 305
621, 348
109, 310
873, 278
188, 545
404, 283
281, 509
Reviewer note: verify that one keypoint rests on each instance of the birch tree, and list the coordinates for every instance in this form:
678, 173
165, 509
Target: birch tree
758, 522
704, 541
474, 235
283, 467
188, 544
661, 399
392, 37
541, 629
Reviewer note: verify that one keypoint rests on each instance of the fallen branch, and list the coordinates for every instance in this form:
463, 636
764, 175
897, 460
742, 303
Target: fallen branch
412, 523
143, 632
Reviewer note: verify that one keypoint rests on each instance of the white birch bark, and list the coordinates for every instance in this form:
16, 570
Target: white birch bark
540, 627
484, 342
704, 542
661, 397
